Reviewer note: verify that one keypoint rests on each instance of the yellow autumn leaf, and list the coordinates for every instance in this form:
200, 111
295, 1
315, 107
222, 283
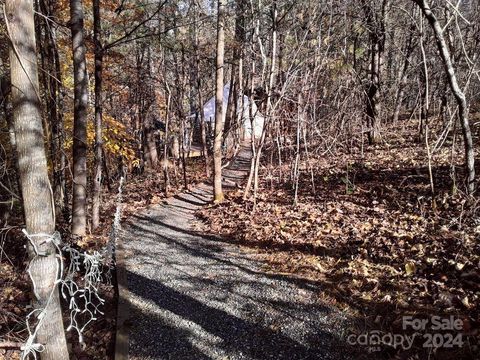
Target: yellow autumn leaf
410, 268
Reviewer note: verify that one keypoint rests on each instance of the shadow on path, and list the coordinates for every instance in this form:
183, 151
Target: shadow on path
199, 297
234, 335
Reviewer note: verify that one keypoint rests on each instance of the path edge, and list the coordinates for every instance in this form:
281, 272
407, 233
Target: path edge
123, 303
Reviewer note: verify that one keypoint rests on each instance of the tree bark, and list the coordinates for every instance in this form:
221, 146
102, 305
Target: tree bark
165, 142
150, 145
376, 25
203, 131
97, 182
248, 185
241, 8
149, 139
456, 90
32, 166
403, 76
217, 144
79, 206
269, 115
55, 108
198, 84
181, 79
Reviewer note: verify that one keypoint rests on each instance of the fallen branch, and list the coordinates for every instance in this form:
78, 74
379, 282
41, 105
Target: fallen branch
10, 345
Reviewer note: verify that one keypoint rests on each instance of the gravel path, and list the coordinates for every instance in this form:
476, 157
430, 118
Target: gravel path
197, 297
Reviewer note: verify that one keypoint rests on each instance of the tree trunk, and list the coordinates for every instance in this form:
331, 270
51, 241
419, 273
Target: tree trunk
165, 143
198, 84
150, 145
252, 76
32, 166
203, 133
231, 103
79, 206
269, 112
183, 153
97, 181
60, 191
241, 8
5, 100
424, 98
139, 112
456, 90
108, 180
217, 144
45, 63
181, 116
55, 107
149, 140
376, 24
403, 76
248, 185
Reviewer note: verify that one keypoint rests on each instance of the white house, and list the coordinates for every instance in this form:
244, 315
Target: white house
209, 112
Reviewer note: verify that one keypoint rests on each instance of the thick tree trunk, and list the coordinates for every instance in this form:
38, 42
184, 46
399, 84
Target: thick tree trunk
217, 144
32, 166
79, 206
456, 90
97, 181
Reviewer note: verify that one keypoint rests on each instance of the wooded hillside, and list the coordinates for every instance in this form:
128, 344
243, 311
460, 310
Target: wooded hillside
361, 118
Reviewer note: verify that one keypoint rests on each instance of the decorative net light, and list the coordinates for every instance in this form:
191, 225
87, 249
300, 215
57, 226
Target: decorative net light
83, 297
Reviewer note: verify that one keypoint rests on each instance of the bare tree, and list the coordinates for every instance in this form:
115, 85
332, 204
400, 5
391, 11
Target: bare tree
376, 20
79, 206
97, 182
53, 84
456, 90
253, 176
403, 74
217, 144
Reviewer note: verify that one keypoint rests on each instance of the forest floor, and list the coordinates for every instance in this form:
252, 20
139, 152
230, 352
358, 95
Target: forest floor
366, 232
195, 296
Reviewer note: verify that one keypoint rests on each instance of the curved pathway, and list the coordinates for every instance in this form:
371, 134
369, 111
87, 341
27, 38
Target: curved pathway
197, 297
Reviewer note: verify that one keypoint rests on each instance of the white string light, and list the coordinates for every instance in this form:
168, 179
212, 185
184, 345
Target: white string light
31, 347
82, 300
